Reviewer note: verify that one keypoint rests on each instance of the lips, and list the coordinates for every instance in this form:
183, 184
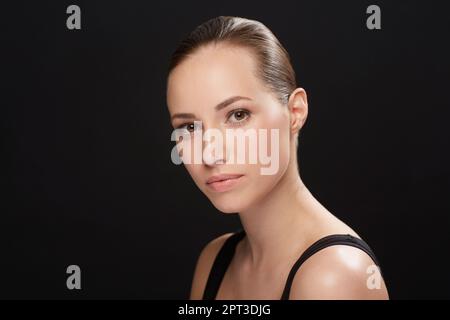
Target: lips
223, 182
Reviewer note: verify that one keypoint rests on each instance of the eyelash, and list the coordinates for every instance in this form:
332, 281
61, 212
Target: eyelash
229, 115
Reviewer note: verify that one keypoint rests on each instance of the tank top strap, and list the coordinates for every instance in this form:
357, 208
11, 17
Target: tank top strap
327, 241
221, 263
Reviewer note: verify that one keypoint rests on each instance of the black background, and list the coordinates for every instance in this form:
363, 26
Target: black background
86, 166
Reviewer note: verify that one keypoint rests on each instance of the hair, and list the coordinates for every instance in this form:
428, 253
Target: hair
274, 67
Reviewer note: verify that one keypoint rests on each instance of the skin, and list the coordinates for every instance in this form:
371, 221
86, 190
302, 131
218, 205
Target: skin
279, 214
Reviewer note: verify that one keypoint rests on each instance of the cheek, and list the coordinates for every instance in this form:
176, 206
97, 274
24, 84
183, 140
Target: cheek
195, 172
274, 117
277, 119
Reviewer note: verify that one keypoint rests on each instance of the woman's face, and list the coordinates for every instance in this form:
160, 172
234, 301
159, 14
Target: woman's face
210, 76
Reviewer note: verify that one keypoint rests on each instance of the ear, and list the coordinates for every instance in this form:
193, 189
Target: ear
298, 109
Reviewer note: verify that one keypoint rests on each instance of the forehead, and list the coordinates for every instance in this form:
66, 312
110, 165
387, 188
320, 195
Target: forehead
210, 75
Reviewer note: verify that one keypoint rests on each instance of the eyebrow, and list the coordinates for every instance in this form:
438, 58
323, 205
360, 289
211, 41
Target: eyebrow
218, 107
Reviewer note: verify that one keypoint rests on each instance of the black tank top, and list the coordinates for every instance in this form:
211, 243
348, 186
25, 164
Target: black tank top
226, 254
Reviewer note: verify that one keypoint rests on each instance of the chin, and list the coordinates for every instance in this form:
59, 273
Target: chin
229, 203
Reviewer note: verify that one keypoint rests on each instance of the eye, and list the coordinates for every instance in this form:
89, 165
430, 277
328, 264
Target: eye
187, 126
238, 116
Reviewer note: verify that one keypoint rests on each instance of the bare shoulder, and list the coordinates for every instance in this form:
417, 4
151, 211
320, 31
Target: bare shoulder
204, 265
339, 272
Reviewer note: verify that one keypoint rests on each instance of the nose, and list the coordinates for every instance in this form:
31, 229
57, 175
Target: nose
212, 156
213, 151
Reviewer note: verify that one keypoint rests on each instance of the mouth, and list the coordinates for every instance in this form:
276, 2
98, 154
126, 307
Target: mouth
224, 182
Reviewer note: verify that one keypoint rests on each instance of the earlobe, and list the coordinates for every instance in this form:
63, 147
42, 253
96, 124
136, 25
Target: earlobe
296, 123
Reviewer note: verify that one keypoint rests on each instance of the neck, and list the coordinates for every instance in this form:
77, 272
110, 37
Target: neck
277, 225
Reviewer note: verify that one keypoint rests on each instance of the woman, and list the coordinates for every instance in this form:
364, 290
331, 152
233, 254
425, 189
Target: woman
232, 73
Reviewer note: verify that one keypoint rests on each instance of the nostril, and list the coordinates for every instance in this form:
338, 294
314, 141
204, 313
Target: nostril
220, 161
210, 157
